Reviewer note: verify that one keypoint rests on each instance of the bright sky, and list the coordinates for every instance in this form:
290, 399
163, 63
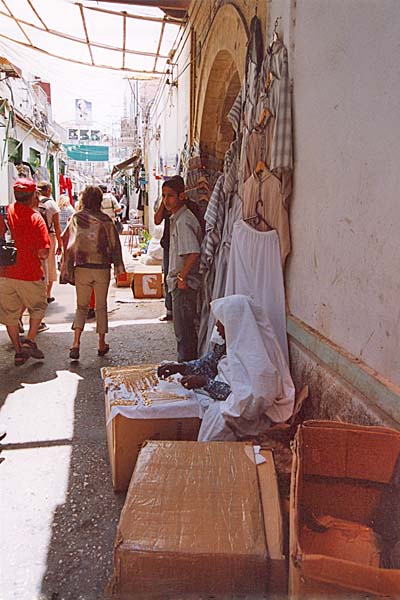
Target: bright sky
104, 88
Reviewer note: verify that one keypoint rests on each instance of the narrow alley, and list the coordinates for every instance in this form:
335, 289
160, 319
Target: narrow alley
57, 503
228, 427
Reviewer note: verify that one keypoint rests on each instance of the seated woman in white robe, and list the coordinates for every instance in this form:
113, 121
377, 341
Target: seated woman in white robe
247, 380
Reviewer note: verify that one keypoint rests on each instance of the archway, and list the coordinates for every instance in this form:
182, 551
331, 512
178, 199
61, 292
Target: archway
220, 75
223, 86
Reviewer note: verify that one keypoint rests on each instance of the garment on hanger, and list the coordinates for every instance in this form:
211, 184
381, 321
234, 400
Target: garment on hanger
231, 160
275, 95
214, 218
220, 265
255, 270
258, 148
262, 195
252, 80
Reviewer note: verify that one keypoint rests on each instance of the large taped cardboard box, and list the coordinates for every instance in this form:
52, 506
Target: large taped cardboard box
125, 436
193, 526
341, 482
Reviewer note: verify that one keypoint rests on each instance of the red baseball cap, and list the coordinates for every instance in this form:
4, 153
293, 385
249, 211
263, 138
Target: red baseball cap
25, 184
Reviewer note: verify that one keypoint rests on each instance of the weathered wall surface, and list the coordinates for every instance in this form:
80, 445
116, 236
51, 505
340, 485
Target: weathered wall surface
218, 70
169, 124
343, 277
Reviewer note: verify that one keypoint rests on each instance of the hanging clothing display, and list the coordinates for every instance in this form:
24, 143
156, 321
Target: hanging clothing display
214, 218
276, 97
263, 204
220, 265
255, 269
248, 257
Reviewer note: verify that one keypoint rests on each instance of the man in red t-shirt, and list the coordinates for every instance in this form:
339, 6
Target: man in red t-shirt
23, 284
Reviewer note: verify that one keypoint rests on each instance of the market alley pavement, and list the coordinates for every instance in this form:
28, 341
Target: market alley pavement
58, 509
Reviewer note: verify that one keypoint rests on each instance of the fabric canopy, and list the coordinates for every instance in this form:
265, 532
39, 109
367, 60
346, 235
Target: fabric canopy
138, 41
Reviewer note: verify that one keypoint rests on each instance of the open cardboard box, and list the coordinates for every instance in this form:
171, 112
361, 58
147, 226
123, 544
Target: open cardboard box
340, 472
200, 520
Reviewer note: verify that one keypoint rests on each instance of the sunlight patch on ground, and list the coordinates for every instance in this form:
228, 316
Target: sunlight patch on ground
91, 326
34, 483
34, 479
41, 411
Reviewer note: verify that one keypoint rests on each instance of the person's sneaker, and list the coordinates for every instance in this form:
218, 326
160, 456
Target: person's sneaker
91, 313
42, 327
32, 348
50, 299
20, 326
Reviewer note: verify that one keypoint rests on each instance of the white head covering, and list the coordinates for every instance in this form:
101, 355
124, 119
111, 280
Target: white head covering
257, 369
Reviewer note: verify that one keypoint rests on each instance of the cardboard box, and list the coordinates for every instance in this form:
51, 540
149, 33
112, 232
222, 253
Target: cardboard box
340, 474
147, 284
124, 280
192, 525
125, 436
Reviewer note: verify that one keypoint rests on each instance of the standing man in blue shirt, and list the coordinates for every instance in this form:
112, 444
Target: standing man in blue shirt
183, 275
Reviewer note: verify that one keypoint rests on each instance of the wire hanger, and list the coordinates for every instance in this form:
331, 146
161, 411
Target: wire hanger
258, 217
275, 35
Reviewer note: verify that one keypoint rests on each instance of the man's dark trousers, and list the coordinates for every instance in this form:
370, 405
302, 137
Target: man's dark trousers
168, 297
184, 308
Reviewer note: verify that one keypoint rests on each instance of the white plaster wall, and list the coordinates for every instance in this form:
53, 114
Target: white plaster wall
171, 115
343, 277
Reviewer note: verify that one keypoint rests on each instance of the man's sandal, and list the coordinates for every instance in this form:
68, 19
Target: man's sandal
104, 350
74, 353
20, 358
32, 348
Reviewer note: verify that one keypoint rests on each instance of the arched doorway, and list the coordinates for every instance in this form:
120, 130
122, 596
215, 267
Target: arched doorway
223, 86
220, 75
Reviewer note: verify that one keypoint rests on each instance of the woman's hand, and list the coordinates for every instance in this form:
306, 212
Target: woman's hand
168, 369
192, 382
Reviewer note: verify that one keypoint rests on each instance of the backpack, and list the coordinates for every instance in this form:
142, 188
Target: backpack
43, 212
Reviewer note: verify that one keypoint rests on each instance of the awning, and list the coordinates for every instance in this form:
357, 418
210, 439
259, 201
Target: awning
127, 164
173, 8
139, 42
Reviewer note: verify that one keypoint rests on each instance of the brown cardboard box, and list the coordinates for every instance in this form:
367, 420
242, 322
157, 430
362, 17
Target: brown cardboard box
340, 472
273, 526
125, 436
192, 525
147, 284
124, 279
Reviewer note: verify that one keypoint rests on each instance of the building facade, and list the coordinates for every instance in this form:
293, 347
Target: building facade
342, 278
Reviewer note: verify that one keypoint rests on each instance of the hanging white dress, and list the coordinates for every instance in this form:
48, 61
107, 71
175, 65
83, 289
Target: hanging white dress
255, 269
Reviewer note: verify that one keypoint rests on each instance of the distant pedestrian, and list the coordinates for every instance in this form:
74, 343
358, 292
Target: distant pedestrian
66, 211
23, 284
91, 246
183, 274
110, 205
52, 219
